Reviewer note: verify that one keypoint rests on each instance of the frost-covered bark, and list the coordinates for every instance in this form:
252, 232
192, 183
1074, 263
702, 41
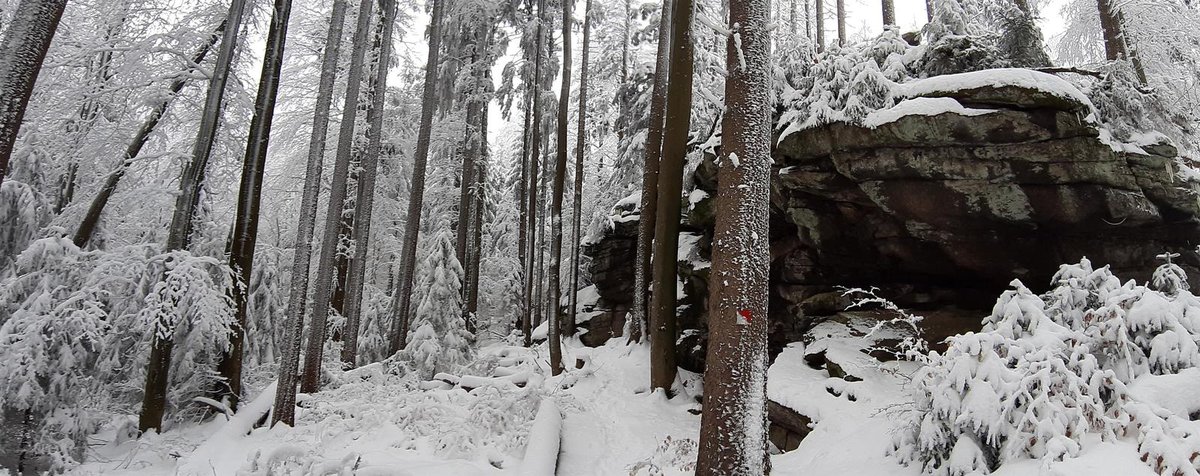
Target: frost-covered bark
733, 428
662, 328
191, 179
285, 397
580, 146
322, 289
245, 226
366, 185
21, 54
87, 226
403, 294
650, 167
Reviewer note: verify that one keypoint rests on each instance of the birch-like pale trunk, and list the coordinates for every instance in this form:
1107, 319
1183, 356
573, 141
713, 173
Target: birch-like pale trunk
402, 298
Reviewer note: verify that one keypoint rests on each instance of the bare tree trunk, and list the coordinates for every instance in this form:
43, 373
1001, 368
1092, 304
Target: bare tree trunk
650, 169
580, 147
841, 22
534, 161
733, 427
1116, 43
245, 230
889, 14
322, 290
623, 118
928, 10
670, 187
285, 396
22, 52
558, 189
154, 396
412, 227
475, 255
820, 26
366, 184
523, 215
87, 226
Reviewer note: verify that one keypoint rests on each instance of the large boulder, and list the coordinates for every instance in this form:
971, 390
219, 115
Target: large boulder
947, 196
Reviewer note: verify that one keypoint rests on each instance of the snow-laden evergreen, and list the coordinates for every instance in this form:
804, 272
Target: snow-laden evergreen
1050, 374
439, 341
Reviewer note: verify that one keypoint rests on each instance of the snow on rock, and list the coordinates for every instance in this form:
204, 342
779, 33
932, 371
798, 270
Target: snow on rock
994, 78
920, 106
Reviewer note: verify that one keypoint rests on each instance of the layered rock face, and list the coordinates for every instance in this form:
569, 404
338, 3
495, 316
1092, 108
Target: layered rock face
961, 187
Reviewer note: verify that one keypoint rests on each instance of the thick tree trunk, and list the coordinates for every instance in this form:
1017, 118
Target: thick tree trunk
245, 230
580, 147
733, 427
403, 294
87, 226
638, 315
527, 324
22, 52
889, 14
523, 215
820, 25
285, 396
366, 185
670, 187
558, 189
1116, 43
476, 254
841, 22
322, 290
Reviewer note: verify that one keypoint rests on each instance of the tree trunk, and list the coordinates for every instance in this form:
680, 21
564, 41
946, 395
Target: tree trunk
22, 52
580, 147
87, 226
475, 255
733, 427
285, 396
245, 231
928, 10
889, 14
322, 290
523, 215
1116, 43
841, 22
534, 161
650, 169
412, 227
820, 25
366, 185
670, 187
558, 189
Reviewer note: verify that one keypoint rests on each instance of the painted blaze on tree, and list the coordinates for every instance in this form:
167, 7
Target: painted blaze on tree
733, 428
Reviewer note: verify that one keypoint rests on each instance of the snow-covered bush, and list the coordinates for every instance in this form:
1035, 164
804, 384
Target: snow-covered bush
75, 327
1047, 374
439, 340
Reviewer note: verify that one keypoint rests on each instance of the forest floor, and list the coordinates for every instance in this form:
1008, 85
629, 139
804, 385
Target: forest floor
371, 421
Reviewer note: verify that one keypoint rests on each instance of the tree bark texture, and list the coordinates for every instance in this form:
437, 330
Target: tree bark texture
558, 189
670, 187
733, 427
841, 22
412, 227
245, 230
638, 315
366, 185
820, 25
22, 52
322, 290
889, 13
285, 396
580, 148
534, 161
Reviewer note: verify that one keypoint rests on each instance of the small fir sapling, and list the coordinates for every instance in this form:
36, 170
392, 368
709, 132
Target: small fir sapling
439, 341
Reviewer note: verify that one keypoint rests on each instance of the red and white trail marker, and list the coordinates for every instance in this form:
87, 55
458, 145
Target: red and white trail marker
743, 317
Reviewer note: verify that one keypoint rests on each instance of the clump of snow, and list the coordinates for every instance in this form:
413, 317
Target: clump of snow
920, 106
994, 78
